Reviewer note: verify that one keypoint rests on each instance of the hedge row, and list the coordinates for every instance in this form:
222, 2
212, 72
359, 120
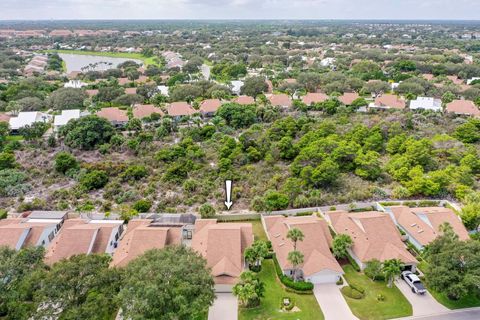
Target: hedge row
352, 292
298, 286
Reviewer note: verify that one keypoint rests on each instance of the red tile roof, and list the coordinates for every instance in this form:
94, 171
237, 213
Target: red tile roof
348, 97
141, 111
180, 108
244, 100
210, 105
314, 97
466, 107
281, 100
389, 101
113, 114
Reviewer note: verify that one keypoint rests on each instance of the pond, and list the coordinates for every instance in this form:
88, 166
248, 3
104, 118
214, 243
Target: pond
84, 63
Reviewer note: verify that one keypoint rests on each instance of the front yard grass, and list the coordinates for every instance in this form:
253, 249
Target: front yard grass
469, 301
127, 55
274, 292
395, 304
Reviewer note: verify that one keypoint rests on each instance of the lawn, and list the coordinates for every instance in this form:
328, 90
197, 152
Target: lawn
394, 306
14, 138
466, 302
270, 303
146, 60
258, 230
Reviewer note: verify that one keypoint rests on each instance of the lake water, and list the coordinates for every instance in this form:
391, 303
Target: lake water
78, 62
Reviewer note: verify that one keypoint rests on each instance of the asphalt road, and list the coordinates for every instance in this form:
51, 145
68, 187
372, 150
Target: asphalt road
468, 314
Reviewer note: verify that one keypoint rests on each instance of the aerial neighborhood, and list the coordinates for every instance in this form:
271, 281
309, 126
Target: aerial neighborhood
246, 170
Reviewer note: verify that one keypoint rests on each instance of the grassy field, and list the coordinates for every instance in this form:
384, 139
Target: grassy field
14, 138
394, 306
258, 230
270, 303
146, 60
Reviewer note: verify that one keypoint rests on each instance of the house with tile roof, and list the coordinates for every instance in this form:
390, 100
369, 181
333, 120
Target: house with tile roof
223, 246
374, 236
388, 101
463, 107
144, 234
280, 100
141, 111
422, 225
32, 229
179, 109
348, 97
319, 265
81, 236
116, 116
314, 97
209, 107
244, 100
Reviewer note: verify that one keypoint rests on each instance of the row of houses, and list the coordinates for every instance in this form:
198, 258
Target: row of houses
380, 235
221, 244
375, 235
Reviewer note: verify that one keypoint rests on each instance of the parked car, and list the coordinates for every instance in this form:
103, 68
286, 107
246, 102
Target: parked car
414, 282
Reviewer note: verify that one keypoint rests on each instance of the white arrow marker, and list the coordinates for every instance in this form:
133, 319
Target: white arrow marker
228, 190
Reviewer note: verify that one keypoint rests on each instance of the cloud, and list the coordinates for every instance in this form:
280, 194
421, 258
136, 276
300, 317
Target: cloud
239, 9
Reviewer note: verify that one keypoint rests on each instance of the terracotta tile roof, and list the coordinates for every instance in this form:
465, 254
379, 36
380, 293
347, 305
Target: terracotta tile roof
314, 97
91, 92
210, 105
281, 100
113, 114
315, 245
11, 230
463, 107
423, 223
455, 79
180, 108
244, 100
389, 101
79, 236
348, 97
141, 111
428, 76
4, 117
140, 237
123, 81
130, 90
223, 245
374, 235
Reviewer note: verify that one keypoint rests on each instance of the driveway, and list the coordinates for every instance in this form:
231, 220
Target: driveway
224, 307
332, 303
421, 305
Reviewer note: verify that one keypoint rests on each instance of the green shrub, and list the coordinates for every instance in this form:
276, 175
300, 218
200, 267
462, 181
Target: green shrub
3, 214
7, 160
352, 293
142, 205
135, 172
207, 211
95, 179
64, 161
380, 297
353, 263
339, 281
298, 286
428, 203
411, 204
357, 287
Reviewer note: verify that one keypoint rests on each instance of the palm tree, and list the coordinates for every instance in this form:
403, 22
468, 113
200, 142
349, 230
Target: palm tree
295, 235
249, 289
295, 258
341, 244
391, 269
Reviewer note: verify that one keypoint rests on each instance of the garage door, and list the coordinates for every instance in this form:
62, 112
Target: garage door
323, 277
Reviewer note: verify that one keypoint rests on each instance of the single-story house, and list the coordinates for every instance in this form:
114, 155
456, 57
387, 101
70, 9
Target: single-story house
115, 115
67, 115
223, 246
164, 90
4, 117
142, 235
463, 107
91, 92
348, 97
180, 108
209, 107
314, 97
426, 103
374, 236
77, 84
244, 100
319, 265
280, 100
27, 119
130, 90
388, 101
36, 229
79, 236
141, 111
422, 225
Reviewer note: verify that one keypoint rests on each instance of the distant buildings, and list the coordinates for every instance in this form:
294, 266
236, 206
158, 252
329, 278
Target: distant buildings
426, 103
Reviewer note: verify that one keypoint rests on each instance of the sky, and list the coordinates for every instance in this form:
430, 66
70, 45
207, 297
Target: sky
240, 9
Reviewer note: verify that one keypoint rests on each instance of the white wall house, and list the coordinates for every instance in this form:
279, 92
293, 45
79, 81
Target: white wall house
76, 84
236, 86
67, 115
27, 119
426, 103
